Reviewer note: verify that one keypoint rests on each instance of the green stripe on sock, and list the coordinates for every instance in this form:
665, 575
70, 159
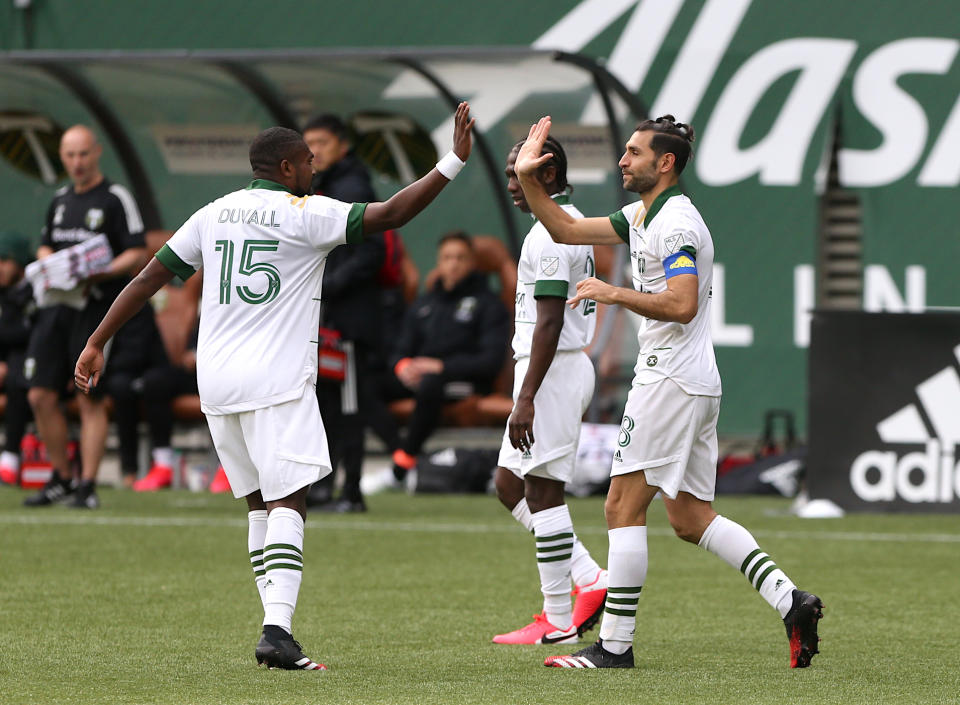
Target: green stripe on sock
621, 613
625, 589
257, 564
757, 566
553, 559
764, 574
554, 549
555, 537
256, 553
258, 573
285, 556
746, 561
288, 566
622, 600
285, 546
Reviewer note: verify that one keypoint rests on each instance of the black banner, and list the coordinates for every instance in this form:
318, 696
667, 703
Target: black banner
884, 415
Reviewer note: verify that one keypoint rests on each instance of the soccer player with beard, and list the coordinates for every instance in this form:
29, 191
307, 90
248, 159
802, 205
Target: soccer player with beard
668, 436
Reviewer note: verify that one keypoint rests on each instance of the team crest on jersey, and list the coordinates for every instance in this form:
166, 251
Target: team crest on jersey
94, 218
58, 214
549, 265
652, 361
673, 242
464, 312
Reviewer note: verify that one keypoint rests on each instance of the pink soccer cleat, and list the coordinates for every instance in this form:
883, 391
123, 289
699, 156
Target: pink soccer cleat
539, 631
589, 603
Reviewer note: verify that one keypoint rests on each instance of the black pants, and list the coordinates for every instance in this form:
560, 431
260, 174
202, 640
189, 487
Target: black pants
345, 430
430, 397
16, 417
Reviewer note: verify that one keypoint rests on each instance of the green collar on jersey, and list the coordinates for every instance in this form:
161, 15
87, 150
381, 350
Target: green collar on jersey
561, 199
267, 184
658, 203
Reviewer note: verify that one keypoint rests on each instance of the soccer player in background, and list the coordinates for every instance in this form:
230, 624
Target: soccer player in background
668, 436
552, 387
263, 250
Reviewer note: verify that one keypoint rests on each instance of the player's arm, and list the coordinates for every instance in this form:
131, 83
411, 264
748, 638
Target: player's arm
131, 299
121, 265
408, 202
677, 304
561, 225
546, 336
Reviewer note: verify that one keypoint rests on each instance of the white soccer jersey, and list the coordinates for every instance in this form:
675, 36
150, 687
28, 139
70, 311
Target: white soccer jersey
668, 239
263, 252
547, 268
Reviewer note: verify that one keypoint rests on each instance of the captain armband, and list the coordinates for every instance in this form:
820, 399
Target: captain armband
680, 262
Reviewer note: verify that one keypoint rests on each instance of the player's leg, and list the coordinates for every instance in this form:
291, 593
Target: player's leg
47, 372
694, 519
94, 425
626, 513
119, 386
256, 540
288, 446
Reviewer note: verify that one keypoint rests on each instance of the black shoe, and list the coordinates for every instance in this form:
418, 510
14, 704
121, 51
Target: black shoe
399, 474
278, 649
343, 506
801, 623
56, 490
594, 656
85, 496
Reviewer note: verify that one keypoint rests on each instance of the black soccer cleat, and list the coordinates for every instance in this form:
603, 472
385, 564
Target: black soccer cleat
85, 496
594, 656
278, 649
56, 490
801, 623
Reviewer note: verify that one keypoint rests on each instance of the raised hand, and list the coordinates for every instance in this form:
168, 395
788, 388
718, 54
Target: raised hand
463, 131
529, 158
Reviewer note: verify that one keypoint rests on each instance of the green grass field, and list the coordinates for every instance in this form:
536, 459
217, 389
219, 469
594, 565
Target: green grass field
151, 600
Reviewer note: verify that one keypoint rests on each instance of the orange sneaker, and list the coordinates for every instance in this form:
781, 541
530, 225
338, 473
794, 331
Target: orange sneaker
588, 607
220, 482
160, 476
539, 631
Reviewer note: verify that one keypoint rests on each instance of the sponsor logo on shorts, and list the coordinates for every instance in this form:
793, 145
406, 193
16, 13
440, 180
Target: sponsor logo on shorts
652, 361
617, 458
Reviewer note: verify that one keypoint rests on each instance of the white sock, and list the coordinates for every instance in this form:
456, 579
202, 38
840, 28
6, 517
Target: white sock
583, 569
256, 534
734, 544
283, 562
626, 573
12, 461
553, 531
521, 513
164, 456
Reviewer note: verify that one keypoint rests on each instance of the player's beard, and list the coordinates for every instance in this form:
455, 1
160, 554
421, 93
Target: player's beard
643, 181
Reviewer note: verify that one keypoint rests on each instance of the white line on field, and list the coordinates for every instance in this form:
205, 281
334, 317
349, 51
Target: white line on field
439, 528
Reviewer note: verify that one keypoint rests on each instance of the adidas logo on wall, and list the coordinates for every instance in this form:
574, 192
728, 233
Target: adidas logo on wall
928, 475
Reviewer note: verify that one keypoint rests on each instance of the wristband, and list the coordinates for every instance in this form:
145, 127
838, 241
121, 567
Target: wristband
450, 165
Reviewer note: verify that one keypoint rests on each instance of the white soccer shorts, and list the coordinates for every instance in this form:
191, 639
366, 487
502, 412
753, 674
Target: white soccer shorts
277, 449
558, 407
672, 437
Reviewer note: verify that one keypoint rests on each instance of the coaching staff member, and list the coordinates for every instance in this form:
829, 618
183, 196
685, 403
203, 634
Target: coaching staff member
91, 205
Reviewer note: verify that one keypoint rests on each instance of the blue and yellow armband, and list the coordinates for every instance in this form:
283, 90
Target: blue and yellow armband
680, 262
